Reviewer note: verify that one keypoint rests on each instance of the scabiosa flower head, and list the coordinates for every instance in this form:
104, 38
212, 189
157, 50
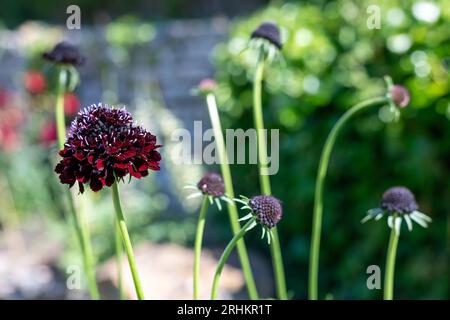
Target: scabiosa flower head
212, 187
65, 53
399, 199
34, 82
211, 184
399, 95
270, 32
398, 203
103, 143
267, 209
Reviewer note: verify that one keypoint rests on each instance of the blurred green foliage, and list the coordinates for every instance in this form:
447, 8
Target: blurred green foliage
334, 60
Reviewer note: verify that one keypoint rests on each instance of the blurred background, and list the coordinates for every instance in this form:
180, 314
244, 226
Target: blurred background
148, 55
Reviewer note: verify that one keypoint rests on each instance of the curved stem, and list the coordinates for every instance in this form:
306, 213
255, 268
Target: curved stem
390, 266
126, 240
318, 200
198, 244
78, 220
119, 248
226, 253
232, 210
277, 259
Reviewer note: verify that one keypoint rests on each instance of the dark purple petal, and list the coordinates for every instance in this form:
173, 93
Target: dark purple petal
103, 143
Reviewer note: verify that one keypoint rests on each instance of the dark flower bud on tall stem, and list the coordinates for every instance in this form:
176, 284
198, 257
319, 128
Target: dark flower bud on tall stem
212, 184
399, 199
65, 53
399, 204
270, 32
267, 209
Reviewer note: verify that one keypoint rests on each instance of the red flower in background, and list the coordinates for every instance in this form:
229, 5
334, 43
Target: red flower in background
48, 133
71, 104
11, 118
34, 81
4, 97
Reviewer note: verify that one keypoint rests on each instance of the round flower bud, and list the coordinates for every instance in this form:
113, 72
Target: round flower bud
399, 200
400, 96
267, 209
212, 184
207, 86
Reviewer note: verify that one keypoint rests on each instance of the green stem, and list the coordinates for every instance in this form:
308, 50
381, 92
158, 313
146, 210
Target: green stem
277, 259
226, 253
198, 244
78, 220
390, 266
318, 200
119, 248
232, 210
126, 240
59, 111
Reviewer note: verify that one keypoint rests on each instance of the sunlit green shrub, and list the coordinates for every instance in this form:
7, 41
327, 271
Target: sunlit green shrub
332, 61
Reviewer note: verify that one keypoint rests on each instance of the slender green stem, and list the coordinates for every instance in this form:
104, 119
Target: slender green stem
59, 111
232, 210
318, 200
198, 244
87, 250
277, 259
226, 253
390, 266
78, 220
126, 240
119, 248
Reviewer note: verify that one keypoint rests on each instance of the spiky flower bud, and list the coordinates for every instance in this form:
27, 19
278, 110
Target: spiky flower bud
212, 184
267, 209
399, 200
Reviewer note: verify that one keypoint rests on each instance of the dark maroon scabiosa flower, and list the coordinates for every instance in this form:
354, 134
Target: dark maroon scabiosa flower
268, 31
211, 184
102, 144
398, 203
265, 210
64, 53
399, 95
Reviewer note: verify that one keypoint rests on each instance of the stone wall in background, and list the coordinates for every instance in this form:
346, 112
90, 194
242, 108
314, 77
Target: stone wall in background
148, 78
